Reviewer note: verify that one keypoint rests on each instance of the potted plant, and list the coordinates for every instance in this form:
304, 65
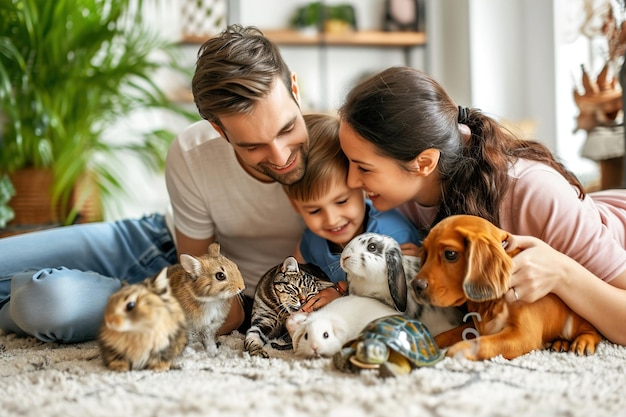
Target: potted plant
6, 192
308, 18
69, 69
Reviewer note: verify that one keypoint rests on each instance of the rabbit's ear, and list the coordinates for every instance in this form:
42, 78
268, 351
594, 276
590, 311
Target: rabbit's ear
294, 321
339, 328
191, 265
160, 282
396, 278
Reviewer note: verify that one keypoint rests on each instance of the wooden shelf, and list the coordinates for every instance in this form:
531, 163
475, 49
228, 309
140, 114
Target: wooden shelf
405, 41
358, 38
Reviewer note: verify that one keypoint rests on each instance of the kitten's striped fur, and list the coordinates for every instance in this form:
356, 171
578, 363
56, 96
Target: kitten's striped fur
281, 291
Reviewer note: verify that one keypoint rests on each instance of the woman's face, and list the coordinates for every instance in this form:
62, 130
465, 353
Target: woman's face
386, 183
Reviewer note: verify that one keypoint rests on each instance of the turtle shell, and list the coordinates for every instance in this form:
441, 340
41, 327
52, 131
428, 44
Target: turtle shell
409, 337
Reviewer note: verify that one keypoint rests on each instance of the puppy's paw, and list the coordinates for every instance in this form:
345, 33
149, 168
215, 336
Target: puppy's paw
467, 349
560, 345
584, 344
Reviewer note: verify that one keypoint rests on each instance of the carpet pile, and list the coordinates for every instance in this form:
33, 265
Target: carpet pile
43, 379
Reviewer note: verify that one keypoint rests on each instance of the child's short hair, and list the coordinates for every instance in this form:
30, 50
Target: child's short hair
327, 164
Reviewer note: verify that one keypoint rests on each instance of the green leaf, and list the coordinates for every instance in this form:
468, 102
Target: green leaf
70, 69
7, 191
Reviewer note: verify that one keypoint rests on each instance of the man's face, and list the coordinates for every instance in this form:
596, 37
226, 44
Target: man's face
271, 142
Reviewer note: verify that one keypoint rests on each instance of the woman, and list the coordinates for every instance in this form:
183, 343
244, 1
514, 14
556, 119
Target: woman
410, 146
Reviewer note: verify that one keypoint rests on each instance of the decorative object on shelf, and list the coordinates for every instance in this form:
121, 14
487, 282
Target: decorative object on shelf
339, 19
599, 104
403, 15
63, 85
316, 17
308, 19
203, 18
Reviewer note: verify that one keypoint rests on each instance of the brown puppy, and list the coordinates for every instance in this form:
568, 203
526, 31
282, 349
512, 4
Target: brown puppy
464, 261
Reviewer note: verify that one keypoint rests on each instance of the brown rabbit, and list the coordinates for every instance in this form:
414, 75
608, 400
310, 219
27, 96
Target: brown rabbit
143, 327
205, 288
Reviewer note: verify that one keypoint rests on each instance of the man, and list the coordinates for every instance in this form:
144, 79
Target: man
54, 284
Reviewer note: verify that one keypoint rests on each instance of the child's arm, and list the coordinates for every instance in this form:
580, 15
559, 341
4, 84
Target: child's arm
325, 296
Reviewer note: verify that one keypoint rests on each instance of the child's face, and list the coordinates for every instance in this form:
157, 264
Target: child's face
337, 216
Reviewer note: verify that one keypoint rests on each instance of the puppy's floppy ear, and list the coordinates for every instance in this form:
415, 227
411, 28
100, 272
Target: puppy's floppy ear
488, 266
396, 278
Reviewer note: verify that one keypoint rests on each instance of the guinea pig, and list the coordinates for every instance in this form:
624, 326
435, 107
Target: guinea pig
323, 332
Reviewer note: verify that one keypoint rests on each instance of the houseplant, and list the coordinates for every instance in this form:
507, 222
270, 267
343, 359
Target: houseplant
318, 17
69, 69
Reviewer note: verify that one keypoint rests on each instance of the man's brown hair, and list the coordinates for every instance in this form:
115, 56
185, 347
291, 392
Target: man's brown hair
234, 70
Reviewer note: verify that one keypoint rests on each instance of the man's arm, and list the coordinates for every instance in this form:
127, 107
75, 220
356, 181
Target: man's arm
198, 247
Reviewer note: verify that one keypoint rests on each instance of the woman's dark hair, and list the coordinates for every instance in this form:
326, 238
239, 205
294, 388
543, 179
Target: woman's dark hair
234, 70
403, 112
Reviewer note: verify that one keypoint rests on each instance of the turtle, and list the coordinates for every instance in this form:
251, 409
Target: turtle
395, 345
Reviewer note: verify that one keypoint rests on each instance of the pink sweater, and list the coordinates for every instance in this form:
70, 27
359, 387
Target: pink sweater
543, 204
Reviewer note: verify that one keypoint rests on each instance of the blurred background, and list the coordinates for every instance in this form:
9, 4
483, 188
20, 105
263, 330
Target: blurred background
520, 61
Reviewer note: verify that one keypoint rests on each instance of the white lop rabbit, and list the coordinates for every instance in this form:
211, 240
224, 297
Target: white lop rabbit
323, 332
375, 267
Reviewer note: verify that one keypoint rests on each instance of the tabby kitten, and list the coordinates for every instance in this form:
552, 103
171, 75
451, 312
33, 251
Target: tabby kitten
281, 291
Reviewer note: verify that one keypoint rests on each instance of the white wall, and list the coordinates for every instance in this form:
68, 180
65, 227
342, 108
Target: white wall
520, 66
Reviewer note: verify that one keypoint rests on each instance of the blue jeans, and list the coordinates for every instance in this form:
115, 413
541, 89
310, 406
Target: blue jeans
54, 284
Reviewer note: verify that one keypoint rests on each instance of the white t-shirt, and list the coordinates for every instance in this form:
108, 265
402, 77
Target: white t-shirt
212, 195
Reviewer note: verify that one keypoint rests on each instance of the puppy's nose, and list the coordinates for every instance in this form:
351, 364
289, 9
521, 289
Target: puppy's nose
419, 285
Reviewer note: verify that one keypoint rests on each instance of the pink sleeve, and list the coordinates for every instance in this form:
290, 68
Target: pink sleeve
543, 204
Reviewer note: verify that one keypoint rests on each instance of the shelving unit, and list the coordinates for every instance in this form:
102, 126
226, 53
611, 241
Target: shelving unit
287, 37
405, 41
358, 38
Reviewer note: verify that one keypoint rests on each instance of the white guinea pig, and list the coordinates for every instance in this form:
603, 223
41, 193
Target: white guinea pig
323, 332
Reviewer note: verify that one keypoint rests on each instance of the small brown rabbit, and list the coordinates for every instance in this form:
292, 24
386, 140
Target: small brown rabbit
143, 327
205, 288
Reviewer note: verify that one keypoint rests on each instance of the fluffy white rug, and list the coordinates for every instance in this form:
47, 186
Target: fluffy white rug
39, 379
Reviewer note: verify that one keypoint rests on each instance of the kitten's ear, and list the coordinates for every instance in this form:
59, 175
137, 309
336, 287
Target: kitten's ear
290, 265
191, 265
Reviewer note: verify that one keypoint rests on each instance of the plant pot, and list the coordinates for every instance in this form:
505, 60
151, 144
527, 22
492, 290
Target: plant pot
32, 202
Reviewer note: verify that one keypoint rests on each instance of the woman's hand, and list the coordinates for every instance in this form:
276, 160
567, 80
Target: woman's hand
410, 249
537, 270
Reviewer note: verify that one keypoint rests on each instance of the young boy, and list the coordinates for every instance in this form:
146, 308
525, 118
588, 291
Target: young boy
332, 212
